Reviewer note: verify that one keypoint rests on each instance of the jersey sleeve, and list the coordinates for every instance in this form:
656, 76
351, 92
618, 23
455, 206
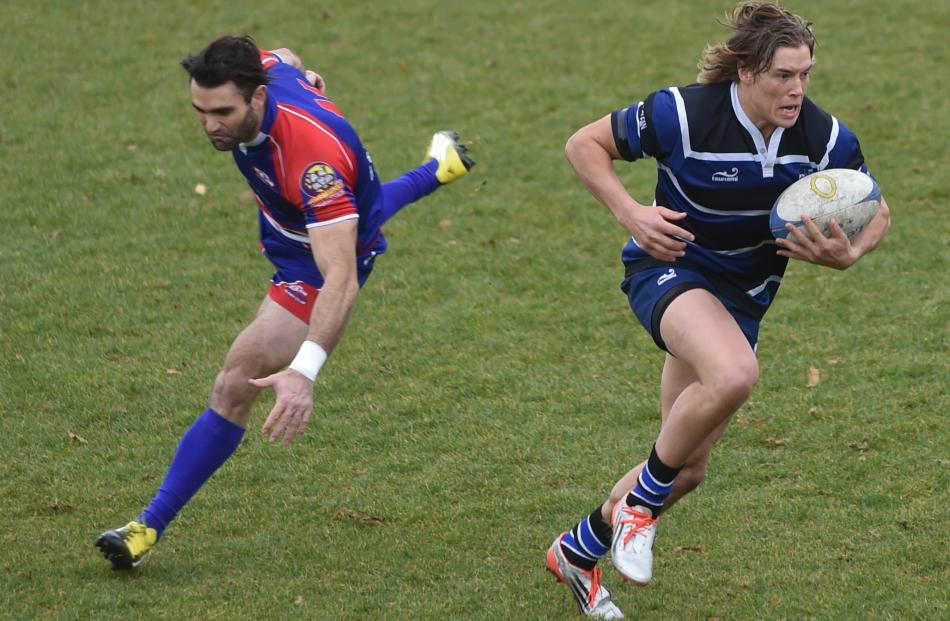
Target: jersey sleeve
647, 129
320, 173
325, 195
269, 59
845, 150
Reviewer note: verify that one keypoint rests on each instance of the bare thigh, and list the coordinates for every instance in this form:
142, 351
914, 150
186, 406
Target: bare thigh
712, 375
711, 347
267, 345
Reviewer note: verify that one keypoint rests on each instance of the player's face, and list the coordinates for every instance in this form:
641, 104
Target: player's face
226, 118
774, 97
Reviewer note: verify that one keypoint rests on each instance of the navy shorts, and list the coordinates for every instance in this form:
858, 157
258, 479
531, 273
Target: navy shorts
650, 291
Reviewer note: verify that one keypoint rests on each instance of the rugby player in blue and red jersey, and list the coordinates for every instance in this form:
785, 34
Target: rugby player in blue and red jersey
321, 209
702, 267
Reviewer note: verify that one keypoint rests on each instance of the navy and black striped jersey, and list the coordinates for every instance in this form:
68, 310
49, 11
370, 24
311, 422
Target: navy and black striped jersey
713, 163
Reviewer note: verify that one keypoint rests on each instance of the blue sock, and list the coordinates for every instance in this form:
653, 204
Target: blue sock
653, 485
206, 445
408, 188
588, 541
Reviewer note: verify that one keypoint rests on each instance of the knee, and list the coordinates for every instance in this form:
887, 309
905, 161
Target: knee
231, 385
733, 384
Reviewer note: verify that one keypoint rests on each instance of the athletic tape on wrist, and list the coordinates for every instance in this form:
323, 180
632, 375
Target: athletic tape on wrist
309, 359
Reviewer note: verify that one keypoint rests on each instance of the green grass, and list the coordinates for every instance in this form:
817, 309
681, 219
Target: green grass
453, 431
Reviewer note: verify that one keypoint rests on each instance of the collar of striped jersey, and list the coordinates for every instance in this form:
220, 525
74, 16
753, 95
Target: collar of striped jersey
765, 154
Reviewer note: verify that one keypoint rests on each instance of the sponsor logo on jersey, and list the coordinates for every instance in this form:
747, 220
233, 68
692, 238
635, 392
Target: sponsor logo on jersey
295, 290
667, 276
731, 176
320, 184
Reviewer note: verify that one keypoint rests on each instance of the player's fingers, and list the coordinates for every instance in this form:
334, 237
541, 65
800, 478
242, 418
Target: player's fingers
316, 79
812, 227
284, 426
288, 434
664, 254
293, 427
262, 382
683, 234
303, 424
668, 228
796, 235
836, 230
269, 424
669, 214
669, 243
275, 421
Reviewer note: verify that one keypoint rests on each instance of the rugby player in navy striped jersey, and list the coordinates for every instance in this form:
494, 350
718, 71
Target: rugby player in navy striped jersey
701, 265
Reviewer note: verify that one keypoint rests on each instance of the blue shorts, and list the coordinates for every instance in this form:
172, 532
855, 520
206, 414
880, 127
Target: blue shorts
651, 289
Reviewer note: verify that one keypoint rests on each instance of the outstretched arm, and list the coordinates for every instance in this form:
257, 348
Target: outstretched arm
333, 250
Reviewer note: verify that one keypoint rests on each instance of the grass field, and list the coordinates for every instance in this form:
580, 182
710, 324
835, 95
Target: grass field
492, 384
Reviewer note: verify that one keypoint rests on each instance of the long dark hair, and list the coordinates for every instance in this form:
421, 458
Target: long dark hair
758, 29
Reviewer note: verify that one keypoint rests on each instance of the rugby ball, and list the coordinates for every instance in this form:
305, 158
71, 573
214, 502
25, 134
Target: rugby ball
851, 197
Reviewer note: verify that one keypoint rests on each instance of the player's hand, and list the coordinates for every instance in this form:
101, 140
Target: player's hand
656, 231
291, 413
834, 251
316, 79
289, 56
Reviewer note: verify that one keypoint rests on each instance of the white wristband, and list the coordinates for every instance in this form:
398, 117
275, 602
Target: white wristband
309, 359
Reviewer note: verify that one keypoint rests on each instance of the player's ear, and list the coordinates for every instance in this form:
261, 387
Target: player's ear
259, 97
746, 75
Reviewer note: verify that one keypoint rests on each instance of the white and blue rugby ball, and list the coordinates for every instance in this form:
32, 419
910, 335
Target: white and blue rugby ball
851, 197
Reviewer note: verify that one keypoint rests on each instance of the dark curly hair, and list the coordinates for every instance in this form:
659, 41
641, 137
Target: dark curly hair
228, 59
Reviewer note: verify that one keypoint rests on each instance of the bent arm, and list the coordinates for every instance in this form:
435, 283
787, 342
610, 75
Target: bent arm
591, 152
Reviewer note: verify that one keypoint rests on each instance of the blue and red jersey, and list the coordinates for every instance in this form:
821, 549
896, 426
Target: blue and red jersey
307, 168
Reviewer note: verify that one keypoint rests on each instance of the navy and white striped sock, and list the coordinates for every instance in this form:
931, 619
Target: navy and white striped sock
653, 485
588, 541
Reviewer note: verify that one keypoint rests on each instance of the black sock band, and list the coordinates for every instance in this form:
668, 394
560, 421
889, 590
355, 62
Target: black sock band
662, 473
601, 528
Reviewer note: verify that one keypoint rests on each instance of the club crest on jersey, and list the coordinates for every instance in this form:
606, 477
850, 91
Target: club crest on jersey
320, 183
263, 176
